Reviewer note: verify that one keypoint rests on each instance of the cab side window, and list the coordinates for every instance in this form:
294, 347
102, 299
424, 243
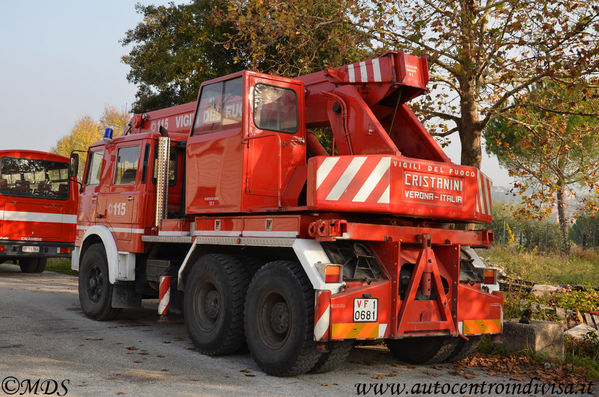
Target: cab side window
126, 165
220, 106
94, 170
275, 108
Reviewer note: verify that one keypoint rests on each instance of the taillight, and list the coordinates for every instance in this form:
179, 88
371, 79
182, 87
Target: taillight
64, 250
1, 248
332, 274
490, 276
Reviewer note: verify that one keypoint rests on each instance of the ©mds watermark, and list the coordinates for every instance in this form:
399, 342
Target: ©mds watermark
40, 387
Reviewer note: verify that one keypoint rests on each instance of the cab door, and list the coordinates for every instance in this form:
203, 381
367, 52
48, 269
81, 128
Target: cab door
116, 206
214, 163
88, 198
276, 137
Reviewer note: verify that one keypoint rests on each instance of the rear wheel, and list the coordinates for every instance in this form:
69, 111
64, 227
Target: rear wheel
32, 265
95, 290
463, 349
279, 319
213, 304
335, 356
423, 350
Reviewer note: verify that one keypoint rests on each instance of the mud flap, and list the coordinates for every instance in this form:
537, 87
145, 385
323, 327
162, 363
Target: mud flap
124, 296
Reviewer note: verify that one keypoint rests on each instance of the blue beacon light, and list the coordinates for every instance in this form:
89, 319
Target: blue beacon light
107, 135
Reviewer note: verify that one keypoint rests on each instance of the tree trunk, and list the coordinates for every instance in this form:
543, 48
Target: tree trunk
562, 207
470, 126
470, 137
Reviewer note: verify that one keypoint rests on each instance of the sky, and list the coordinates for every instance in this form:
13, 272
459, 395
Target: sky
60, 60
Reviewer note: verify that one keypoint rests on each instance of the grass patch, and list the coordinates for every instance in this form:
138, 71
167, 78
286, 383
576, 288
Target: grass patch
60, 265
584, 354
581, 267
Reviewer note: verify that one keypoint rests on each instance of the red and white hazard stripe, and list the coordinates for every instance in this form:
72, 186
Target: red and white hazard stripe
483, 198
322, 316
164, 295
356, 179
364, 72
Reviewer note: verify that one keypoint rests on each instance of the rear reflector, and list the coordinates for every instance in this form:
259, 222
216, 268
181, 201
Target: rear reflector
332, 274
490, 276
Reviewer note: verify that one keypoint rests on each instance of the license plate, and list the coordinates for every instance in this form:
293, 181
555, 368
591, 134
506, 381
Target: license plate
366, 310
29, 248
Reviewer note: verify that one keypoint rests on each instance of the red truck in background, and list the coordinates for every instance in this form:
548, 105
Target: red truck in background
38, 208
272, 240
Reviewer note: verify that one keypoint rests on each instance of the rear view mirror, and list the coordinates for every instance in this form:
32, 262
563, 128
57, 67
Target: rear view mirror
74, 166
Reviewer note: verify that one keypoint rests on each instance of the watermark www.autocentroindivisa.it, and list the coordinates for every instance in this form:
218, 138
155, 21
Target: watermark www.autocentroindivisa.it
14, 386
533, 387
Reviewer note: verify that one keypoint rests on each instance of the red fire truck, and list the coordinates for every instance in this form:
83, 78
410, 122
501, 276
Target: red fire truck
38, 208
272, 240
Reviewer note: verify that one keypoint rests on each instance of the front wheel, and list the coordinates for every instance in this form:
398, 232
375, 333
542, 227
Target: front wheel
95, 290
32, 265
279, 320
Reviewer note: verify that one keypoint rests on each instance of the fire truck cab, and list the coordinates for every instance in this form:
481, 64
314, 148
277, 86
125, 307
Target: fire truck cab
38, 208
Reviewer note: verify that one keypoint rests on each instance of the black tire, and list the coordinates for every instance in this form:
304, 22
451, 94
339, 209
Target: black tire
251, 263
32, 265
213, 304
463, 349
95, 290
279, 319
423, 350
335, 356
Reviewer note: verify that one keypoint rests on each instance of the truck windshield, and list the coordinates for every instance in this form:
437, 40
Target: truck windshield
34, 178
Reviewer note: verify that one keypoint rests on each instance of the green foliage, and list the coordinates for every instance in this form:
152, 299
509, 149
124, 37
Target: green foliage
530, 234
483, 54
548, 142
583, 355
585, 231
292, 38
175, 48
583, 301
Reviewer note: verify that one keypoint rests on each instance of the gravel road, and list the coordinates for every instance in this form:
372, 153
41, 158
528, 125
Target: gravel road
44, 336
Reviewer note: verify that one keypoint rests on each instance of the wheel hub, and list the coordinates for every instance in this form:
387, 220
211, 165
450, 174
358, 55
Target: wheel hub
212, 305
95, 283
279, 318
